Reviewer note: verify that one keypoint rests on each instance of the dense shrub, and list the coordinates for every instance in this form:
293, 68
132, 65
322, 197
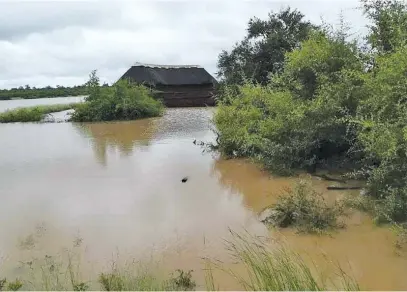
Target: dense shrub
122, 101
301, 118
334, 101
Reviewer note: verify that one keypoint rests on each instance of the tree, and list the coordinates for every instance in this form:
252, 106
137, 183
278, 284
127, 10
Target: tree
262, 51
93, 85
389, 24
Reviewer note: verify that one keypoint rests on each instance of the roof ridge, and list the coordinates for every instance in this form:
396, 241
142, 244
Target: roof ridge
165, 66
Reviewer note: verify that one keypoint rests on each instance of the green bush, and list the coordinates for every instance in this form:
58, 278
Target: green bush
122, 101
302, 118
336, 102
382, 134
305, 209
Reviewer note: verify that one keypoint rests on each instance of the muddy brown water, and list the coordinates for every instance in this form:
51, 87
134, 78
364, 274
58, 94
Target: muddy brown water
116, 189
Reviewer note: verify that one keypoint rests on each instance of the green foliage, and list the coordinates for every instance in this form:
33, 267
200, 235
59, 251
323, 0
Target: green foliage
81, 287
305, 209
129, 279
15, 286
111, 282
401, 233
182, 282
333, 101
302, 117
382, 124
10, 286
122, 101
32, 114
262, 50
388, 30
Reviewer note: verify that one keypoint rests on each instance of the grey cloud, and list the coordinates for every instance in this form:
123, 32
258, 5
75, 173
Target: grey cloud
61, 42
19, 19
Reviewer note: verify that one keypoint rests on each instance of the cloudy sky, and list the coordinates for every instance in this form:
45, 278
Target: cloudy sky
60, 42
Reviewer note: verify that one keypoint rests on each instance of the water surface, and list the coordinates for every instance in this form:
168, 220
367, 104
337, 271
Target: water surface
117, 187
12, 104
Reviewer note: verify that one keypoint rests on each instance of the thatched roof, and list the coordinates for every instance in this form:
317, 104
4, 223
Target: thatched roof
169, 75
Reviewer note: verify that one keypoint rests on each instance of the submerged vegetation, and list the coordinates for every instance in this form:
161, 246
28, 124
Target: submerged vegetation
265, 268
122, 101
304, 208
335, 101
275, 268
33, 114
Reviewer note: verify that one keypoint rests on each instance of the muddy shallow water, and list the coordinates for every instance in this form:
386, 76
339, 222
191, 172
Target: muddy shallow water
117, 188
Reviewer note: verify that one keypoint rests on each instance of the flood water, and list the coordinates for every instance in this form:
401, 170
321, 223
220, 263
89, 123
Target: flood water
116, 187
12, 104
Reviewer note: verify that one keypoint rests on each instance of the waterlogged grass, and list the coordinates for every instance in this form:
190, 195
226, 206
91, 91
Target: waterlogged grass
266, 268
32, 114
278, 269
306, 209
10, 286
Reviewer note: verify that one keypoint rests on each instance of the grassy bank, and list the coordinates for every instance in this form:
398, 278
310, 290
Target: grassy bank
266, 268
32, 114
122, 101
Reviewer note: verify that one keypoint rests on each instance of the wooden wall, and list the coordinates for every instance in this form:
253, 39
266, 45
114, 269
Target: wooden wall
187, 96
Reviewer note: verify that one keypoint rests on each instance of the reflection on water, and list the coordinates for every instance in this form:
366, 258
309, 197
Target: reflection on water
116, 186
121, 136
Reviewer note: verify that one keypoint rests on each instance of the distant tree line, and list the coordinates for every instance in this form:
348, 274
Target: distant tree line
28, 92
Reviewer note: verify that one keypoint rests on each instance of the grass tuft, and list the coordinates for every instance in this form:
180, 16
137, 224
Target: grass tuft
276, 268
10, 286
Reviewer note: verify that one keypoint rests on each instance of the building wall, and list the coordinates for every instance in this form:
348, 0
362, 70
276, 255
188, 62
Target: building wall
187, 96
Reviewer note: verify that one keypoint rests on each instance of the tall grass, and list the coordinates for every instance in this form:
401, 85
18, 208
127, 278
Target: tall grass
277, 268
32, 114
266, 268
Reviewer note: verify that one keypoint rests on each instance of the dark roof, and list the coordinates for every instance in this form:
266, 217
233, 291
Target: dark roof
169, 75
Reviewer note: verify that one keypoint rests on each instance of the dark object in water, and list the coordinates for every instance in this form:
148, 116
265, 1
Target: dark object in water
184, 180
194, 142
337, 188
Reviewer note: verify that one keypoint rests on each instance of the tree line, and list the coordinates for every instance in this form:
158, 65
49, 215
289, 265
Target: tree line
28, 92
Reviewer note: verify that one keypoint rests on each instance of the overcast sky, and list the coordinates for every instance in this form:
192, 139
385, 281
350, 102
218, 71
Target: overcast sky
60, 42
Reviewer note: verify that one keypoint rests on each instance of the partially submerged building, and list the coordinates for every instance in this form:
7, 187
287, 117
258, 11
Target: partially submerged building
178, 86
